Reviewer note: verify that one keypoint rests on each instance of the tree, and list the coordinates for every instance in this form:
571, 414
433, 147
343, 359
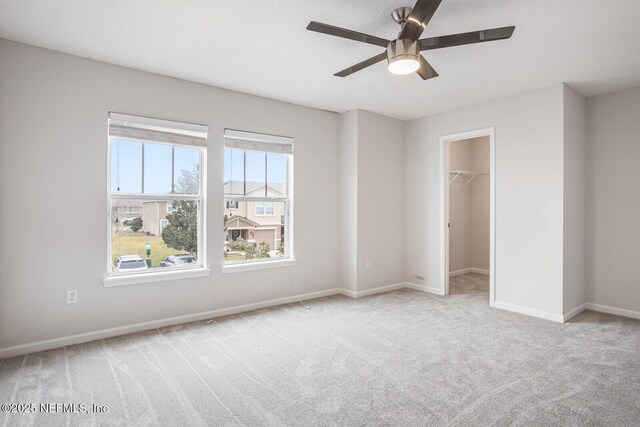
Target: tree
136, 224
250, 250
263, 250
182, 230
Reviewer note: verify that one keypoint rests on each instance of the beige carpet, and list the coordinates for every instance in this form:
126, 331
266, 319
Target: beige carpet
401, 358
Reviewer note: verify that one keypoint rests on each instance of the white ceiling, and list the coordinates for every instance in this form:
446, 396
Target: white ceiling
261, 47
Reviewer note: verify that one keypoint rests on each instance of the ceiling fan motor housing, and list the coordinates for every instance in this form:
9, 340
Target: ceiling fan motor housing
403, 49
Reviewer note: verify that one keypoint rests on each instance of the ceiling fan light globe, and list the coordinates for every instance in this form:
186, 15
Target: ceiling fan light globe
403, 56
402, 66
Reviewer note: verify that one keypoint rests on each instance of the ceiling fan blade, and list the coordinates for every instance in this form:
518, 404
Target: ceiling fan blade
466, 38
346, 34
420, 16
426, 71
361, 65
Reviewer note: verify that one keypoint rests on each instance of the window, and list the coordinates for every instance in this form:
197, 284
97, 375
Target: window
264, 209
155, 194
257, 186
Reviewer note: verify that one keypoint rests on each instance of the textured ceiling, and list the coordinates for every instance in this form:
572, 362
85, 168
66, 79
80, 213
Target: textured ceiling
261, 47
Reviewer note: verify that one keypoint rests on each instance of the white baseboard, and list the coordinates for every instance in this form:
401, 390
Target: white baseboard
21, 349
382, 289
367, 292
468, 270
424, 288
139, 327
529, 311
612, 310
348, 293
459, 272
574, 312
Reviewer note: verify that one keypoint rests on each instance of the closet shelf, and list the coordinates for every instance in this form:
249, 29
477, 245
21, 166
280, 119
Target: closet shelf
465, 174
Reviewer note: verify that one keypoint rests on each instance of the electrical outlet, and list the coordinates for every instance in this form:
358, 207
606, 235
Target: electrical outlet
368, 263
72, 296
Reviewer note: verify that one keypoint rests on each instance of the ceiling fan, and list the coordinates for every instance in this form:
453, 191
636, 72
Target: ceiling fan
403, 53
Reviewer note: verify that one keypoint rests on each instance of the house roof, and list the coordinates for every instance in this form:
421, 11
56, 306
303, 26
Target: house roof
238, 219
236, 188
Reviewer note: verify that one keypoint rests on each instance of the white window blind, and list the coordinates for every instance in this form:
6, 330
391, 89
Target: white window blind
157, 130
251, 141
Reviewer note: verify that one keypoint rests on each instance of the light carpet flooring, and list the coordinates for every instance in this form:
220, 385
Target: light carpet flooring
400, 358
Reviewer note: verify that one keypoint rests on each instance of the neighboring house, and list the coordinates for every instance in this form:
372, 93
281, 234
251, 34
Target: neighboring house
254, 220
154, 217
126, 211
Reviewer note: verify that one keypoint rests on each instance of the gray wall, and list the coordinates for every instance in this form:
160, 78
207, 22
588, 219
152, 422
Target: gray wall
53, 161
381, 204
480, 209
574, 203
529, 194
469, 206
372, 180
460, 210
613, 200
349, 198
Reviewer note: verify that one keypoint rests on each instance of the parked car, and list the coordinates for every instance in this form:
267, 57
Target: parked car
179, 260
130, 263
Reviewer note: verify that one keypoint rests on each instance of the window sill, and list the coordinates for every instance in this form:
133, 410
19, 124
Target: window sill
159, 276
260, 265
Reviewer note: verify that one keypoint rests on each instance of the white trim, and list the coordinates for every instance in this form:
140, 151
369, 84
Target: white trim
388, 288
348, 293
459, 272
193, 130
529, 311
424, 288
21, 349
200, 198
469, 270
258, 265
153, 276
242, 135
379, 290
612, 310
574, 312
444, 207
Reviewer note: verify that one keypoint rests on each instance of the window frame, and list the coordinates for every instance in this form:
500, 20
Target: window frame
288, 259
116, 278
264, 208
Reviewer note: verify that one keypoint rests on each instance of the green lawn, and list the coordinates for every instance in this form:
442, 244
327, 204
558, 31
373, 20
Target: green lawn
130, 243
234, 258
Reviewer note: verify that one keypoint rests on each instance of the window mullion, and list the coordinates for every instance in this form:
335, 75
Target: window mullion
142, 169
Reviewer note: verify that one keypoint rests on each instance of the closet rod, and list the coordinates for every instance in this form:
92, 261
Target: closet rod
464, 173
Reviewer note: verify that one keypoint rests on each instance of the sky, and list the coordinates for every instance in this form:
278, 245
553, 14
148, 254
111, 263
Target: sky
126, 166
276, 165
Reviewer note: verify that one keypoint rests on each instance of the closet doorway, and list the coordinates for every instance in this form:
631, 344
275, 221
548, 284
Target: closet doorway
467, 212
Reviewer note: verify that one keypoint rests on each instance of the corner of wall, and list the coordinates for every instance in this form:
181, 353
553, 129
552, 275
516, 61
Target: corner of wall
574, 200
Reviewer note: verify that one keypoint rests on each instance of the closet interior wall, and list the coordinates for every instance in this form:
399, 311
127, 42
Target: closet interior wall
469, 206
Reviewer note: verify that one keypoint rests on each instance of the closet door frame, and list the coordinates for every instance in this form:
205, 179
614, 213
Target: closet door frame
444, 207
